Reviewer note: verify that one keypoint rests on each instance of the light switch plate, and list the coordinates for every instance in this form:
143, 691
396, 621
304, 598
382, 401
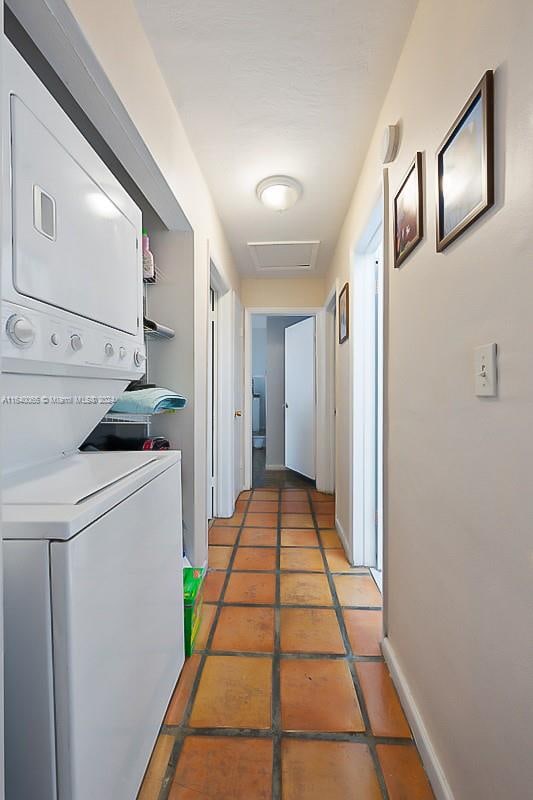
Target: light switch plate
486, 372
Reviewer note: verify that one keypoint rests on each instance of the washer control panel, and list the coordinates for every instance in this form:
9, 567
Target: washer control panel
61, 345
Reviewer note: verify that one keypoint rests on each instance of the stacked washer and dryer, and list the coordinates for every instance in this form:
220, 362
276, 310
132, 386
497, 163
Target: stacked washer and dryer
92, 541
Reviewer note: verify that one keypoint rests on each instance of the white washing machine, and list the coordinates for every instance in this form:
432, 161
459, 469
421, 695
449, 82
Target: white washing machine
93, 541
94, 637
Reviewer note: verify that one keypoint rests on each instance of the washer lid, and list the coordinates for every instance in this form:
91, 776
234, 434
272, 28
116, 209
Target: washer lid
74, 480
59, 499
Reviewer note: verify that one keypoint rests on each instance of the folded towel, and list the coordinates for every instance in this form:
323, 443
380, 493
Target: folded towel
149, 401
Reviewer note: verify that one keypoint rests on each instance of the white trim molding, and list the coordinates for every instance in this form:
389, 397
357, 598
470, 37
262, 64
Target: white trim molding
322, 432
343, 538
326, 392
248, 443
224, 366
427, 752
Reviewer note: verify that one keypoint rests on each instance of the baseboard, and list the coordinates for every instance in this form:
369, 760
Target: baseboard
275, 467
427, 752
342, 537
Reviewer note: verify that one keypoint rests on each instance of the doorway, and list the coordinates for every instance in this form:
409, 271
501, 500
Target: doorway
224, 384
282, 394
368, 397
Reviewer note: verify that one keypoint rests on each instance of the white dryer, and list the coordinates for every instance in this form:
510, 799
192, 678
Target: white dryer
93, 541
72, 315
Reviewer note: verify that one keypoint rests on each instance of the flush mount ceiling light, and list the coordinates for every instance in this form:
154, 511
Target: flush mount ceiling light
279, 192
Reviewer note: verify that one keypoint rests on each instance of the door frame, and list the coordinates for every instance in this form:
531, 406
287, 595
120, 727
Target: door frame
326, 391
237, 373
212, 397
224, 403
321, 436
368, 243
2, 267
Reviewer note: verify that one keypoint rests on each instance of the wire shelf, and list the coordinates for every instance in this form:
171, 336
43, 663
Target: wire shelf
127, 419
166, 333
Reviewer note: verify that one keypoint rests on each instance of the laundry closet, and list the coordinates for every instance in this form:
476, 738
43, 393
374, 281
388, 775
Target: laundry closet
93, 540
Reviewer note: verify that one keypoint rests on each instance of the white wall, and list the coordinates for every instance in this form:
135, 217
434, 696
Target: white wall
114, 32
275, 414
305, 292
171, 362
459, 509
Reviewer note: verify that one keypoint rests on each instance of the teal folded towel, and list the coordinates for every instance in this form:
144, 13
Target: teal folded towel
148, 401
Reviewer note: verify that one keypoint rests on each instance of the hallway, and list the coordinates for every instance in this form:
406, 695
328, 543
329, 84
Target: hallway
287, 694
263, 478
266, 247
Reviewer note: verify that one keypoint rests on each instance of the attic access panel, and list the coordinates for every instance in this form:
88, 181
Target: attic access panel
281, 256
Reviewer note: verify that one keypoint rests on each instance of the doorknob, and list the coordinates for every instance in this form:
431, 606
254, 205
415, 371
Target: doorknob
238, 413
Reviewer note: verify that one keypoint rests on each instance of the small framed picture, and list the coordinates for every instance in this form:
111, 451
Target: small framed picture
465, 165
344, 313
409, 212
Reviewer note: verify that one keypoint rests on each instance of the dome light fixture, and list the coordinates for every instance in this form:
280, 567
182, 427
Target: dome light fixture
279, 192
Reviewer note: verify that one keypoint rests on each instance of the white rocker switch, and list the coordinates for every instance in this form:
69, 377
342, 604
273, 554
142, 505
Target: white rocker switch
486, 375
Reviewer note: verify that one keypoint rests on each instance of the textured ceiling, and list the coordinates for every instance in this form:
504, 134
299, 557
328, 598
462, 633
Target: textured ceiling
278, 87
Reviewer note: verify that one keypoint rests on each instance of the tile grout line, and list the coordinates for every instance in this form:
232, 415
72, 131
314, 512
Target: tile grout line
276, 663
293, 605
275, 571
295, 656
267, 733
351, 664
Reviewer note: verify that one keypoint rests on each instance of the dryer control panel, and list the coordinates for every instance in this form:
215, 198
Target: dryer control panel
45, 343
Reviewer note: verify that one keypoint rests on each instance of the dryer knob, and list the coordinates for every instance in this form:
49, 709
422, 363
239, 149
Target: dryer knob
109, 349
20, 330
139, 358
76, 342
122, 352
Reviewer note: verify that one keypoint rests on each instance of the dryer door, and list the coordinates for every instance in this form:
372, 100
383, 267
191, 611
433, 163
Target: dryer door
73, 247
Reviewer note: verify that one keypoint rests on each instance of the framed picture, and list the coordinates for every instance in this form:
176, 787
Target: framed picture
465, 165
344, 314
409, 212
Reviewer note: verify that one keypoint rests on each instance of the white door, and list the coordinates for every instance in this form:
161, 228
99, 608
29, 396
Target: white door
300, 397
238, 395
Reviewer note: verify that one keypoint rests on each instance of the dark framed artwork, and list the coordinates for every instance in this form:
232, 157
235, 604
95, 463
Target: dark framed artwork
409, 212
344, 313
465, 165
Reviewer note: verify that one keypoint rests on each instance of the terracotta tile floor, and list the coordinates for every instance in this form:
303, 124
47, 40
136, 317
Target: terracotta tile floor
287, 696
